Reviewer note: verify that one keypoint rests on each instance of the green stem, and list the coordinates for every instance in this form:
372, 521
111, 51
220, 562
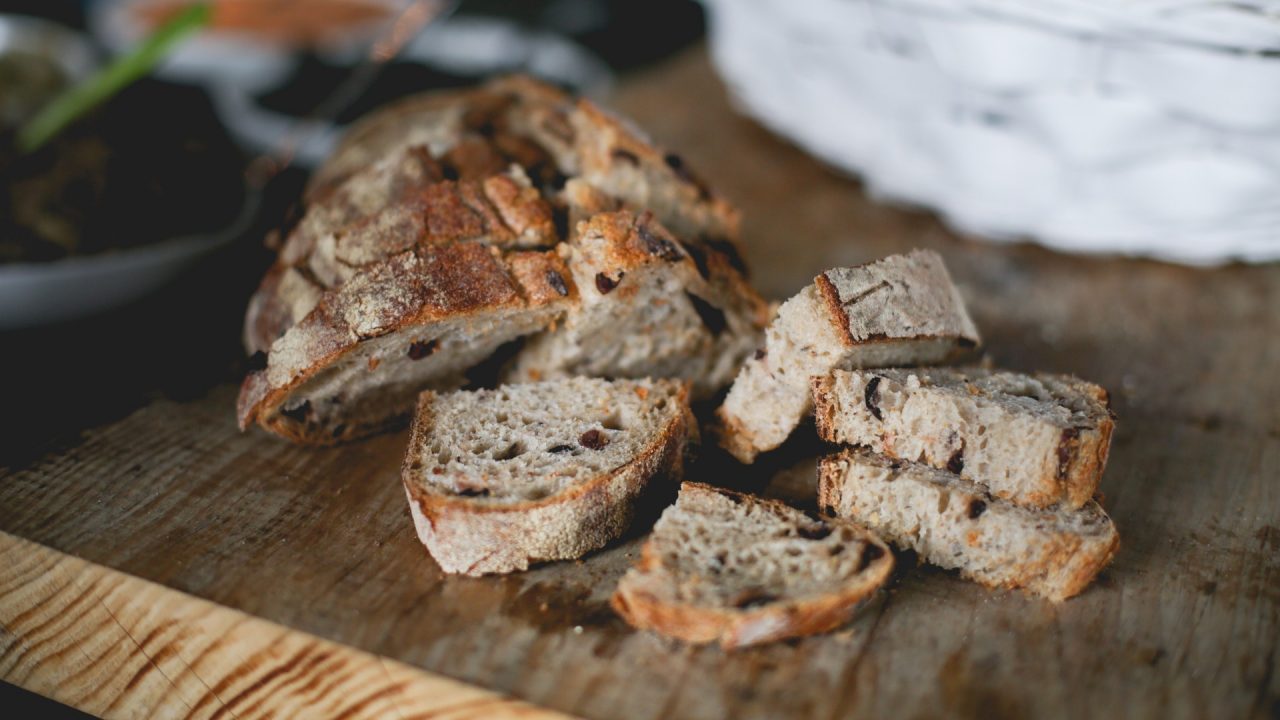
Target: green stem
79, 99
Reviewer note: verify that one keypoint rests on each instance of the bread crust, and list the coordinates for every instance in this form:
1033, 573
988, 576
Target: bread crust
470, 167
417, 288
734, 628
476, 538
1061, 566
1067, 472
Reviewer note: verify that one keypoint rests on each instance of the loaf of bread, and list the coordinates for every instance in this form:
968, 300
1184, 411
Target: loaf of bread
1037, 439
902, 310
1054, 552
500, 479
439, 231
726, 567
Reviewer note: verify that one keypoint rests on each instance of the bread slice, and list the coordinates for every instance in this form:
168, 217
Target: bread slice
499, 479
953, 523
726, 567
1034, 439
419, 320
647, 308
396, 204
902, 310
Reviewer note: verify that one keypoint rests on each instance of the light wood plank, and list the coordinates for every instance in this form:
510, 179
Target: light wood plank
119, 647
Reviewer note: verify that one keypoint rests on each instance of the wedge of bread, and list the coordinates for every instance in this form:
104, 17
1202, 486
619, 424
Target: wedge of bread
726, 567
420, 319
500, 479
648, 307
902, 310
953, 523
1036, 440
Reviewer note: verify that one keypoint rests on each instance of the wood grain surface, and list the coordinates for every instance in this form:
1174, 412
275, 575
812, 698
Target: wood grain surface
1185, 624
117, 646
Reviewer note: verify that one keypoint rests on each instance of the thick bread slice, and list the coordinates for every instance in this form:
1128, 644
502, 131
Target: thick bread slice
418, 320
385, 210
499, 479
728, 567
902, 310
648, 307
1034, 439
953, 523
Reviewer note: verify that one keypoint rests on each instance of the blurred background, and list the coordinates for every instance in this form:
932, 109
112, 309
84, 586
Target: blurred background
146, 150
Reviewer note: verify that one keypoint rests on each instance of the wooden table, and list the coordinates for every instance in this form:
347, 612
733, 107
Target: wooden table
161, 562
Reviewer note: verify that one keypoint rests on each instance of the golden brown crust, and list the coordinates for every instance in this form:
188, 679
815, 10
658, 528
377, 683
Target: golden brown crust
1089, 462
734, 628
414, 288
835, 309
735, 438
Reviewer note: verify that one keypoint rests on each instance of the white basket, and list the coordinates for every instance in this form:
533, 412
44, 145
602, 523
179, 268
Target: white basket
1139, 127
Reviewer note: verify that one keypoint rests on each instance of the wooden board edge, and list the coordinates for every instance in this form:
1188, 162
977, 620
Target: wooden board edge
115, 645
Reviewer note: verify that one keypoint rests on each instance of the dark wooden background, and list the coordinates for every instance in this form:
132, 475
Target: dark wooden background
121, 448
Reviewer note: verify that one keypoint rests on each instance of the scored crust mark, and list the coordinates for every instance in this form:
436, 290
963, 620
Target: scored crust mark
871, 397
882, 285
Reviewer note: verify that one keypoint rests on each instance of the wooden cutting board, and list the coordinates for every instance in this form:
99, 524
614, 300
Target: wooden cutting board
162, 562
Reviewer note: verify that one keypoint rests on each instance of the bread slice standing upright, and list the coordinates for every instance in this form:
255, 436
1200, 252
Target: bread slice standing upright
1037, 439
953, 523
500, 479
726, 567
902, 310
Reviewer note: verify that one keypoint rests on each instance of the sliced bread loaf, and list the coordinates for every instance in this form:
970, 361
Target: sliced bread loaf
1034, 439
953, 523
499, 479
647, 308
726, 567
902, 310
356, 362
